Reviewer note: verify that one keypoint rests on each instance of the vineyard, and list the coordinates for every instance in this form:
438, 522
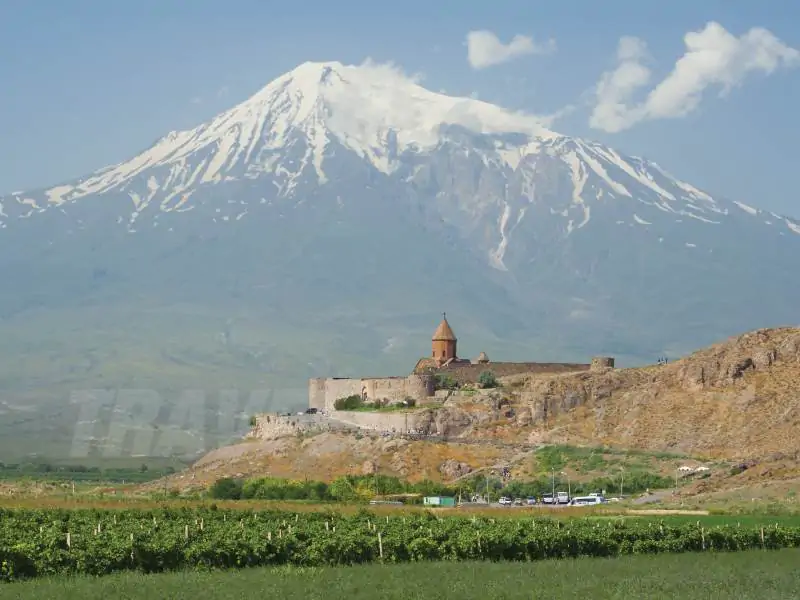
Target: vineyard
36, 543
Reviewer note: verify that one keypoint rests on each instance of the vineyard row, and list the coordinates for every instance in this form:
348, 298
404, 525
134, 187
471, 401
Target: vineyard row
36, 543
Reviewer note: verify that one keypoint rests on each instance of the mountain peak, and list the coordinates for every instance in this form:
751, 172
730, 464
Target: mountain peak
375, 111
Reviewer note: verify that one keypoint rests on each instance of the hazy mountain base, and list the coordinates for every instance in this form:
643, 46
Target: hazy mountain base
252, 289
327, 288
176, 312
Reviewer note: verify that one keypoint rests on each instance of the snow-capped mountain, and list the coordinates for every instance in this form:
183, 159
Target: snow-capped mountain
353, 201
290, 132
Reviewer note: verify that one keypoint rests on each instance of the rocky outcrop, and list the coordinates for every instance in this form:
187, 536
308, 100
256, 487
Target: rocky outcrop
453, 469
739, 399
726, 363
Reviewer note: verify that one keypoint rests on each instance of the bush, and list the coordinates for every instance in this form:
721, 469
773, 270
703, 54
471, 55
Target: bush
443, 381
253, 421
226, 489
348, 402
487, 380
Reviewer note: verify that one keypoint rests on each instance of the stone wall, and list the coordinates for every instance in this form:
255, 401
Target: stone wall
469, 373
378, 421
323, 393
600, 363
270, 426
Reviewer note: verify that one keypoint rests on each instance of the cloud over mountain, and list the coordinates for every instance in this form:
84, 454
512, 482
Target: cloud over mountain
484, 48
714, 58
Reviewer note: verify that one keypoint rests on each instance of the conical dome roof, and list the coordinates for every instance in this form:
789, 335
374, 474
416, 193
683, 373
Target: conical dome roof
444, 332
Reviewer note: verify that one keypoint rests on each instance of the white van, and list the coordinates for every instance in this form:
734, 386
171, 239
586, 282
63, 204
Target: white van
587, 500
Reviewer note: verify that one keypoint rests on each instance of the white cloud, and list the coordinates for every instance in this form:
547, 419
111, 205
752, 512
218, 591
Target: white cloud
484, 48
390, 71
713, 58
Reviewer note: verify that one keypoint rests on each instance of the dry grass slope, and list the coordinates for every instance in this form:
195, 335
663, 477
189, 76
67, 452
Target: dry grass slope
736, 401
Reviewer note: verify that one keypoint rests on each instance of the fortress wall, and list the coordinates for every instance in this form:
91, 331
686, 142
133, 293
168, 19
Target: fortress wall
340, 388
323, 393
420, 386
270, 426
380, 421
470, 373
316, 393
395, 389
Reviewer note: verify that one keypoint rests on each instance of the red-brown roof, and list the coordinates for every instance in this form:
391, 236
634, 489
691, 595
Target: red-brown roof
444, 332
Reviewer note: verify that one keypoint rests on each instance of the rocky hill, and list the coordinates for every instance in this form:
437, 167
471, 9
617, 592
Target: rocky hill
736, 403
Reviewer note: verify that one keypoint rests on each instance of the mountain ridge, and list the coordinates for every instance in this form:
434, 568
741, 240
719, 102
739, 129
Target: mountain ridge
541, 246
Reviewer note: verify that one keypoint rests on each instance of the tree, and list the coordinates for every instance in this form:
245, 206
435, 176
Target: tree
226, 488
487, 379
348, 402
443, 381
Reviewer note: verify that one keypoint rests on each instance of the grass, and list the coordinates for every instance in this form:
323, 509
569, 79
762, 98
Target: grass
757, 575
125, 500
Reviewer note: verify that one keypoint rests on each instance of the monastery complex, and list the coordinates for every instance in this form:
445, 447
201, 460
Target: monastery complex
420, 383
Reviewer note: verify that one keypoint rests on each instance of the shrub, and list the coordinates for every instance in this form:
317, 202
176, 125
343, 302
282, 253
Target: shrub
348, 402
226, 489
443, 381
253, 421
487, 380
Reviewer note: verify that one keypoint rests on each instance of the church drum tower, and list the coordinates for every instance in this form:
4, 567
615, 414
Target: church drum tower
444, 342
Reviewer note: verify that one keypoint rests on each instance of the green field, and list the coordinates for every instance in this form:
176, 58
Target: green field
53, 542
757, 575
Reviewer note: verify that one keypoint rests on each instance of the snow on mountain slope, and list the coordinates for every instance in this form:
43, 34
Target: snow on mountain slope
289, 131
372, 110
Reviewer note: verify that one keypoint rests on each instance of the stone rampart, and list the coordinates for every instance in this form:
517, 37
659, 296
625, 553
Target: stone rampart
380, 421
323, 393
270, 426
601, 363
469, 373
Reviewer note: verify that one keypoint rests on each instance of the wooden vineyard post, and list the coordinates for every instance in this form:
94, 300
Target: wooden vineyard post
762, 539
380, 545
69, 540
186, 532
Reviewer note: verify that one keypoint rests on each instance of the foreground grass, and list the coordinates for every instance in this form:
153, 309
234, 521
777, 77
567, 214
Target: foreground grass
762, 575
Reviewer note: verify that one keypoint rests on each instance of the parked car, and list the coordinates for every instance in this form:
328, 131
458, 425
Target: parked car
311, 411
531, 501
517, 501
548, 499
505, 501
562, 497
587, 500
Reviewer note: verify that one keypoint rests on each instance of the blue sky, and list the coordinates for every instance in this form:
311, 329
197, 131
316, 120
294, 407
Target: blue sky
86, 84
